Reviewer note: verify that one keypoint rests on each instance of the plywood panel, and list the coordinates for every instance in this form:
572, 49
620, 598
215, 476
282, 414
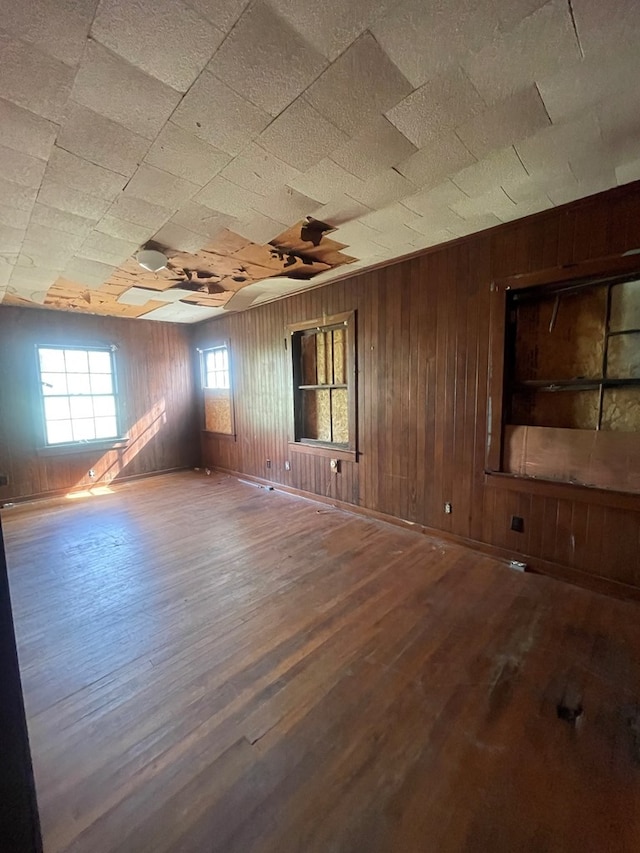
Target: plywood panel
218, 413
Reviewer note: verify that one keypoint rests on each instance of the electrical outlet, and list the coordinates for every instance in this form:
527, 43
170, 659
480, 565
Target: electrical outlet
334, 464
92, 474
268, 463
517, 523
287, 465
448, 508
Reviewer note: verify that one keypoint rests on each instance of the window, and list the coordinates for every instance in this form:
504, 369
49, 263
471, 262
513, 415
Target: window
79, 395
216, 367
216, 381
323, 355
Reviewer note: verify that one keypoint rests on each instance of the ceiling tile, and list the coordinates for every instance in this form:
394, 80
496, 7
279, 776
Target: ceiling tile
11, 239
287, 205
181, 312
564, 193
325, 180
15, 195
176, 237
341, 209
223, 14
435, 198
123, 230
429, 166
23, 131
21, 168
437, 107
494, 201
301, 136
425, 39
106, 249
258, 171
79, 174
258, 228
164, 38
31, 281
331, 26
628, 172
61, 220
34, 80
159, 188
555, 145
435, 219
543, 42
619, 122
217, 114
50, 237
185, 155
605, 28
504, 123
376, 148
118, 91
387, 217
100, 140
383, 189
495, 170
201, 220
73, 201
223, 196
14, 217
361, 84
139, 212
265, 60
58, 28
87, 272
49, 257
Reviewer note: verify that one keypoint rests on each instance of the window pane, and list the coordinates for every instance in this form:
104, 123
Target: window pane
59, 432
56, 408
106, 428
51, 360
76, 360
83, 429
99, 362
104, 407
101, 383
53, 383
79, 383
81, 407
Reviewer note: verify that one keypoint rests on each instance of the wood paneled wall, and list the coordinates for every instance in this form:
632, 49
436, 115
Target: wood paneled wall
423, 361
155, 379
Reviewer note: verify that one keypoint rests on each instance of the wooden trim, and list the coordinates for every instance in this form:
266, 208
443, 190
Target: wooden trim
535, 565
321, 450
322, 322
230, 436
599, 268
61, 493
74, 449
495, 382
562, 491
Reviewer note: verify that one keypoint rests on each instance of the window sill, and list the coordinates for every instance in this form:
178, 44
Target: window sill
230, 436
562, 490
82, 447
324, 450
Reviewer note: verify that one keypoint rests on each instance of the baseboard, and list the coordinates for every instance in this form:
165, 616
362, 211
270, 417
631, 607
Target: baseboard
61, 493
535, 565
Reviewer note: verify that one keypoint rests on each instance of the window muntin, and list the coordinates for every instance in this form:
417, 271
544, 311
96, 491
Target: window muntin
79, 397
216, 367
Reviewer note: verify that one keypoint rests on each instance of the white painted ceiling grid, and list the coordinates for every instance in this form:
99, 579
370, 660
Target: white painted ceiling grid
405, 124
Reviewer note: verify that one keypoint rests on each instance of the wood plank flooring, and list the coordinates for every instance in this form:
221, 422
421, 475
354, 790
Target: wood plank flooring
210, 666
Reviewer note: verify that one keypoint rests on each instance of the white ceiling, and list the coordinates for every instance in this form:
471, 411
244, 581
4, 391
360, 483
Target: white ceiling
409, 122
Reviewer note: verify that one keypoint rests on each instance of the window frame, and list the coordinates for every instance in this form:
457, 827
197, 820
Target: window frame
120, 439
295, 331
615, 269
223, 343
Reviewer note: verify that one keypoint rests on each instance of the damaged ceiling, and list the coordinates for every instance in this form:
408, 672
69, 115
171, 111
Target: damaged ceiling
214, 128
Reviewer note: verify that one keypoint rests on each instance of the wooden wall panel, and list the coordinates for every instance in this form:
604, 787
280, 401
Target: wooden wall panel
155, 377
423, 357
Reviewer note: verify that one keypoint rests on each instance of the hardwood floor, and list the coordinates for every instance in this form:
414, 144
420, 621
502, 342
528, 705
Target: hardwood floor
210, 666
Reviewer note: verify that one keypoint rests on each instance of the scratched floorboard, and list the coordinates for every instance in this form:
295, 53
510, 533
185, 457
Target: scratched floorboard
209, 666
